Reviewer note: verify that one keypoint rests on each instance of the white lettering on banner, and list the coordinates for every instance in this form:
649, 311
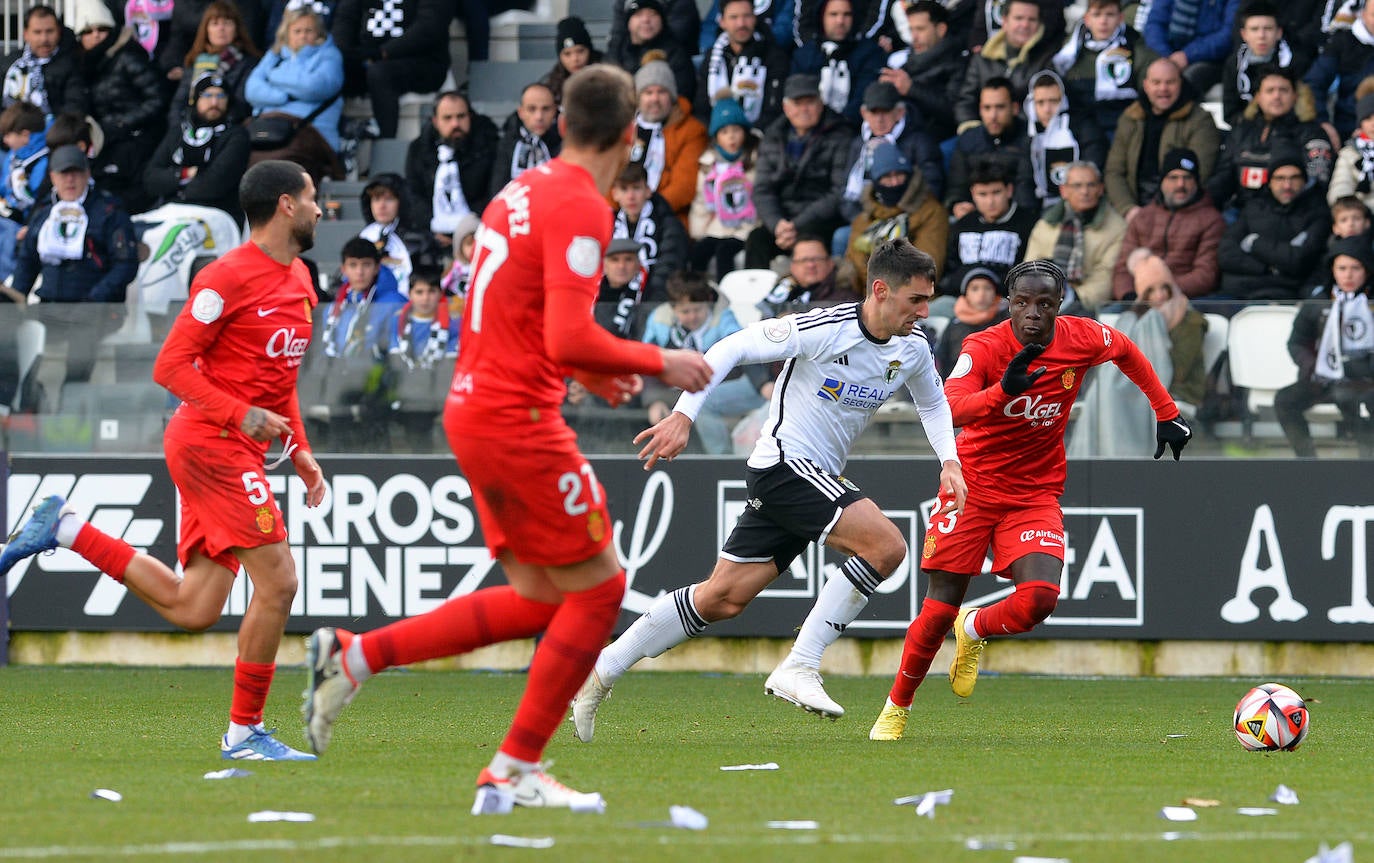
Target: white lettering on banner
1359, 610
1240, 608
644, 546
1104, 565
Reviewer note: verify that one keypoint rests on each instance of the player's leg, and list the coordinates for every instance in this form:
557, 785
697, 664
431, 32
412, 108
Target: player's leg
671, 619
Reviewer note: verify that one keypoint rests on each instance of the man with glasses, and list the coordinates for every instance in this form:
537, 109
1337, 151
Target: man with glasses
1082, 234
810, 282
202, 160
1273, 249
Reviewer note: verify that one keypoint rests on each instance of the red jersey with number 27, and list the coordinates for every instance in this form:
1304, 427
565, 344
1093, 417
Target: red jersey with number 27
1012, 447
539, 248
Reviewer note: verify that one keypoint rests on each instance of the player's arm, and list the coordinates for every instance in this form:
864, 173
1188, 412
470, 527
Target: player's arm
195, 329
1171, 429
978, 389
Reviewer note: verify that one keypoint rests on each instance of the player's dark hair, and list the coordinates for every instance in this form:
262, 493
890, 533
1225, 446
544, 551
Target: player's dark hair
598, 106
938, 13
263, 185
23, 117
630, 175
897, 262
1257, 9
431, 276
1035, 269
690, 287
69, 127
360, 248
998, 82
40, 11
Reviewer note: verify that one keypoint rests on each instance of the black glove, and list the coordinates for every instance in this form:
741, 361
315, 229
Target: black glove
1015, 379
1174, 434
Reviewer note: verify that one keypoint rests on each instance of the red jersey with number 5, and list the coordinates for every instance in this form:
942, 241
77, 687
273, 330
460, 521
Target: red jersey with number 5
1012, 447
542, 236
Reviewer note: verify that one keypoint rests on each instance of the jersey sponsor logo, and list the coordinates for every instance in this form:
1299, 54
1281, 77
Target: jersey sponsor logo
894, 369
853, 395
262, 313
962, 367
584, 256
1047, 538
286, 344
1035, 409
208, 306
830, 390
1067, 378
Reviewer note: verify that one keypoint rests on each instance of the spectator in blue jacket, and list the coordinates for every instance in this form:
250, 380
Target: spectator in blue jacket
1195, 34
302, 70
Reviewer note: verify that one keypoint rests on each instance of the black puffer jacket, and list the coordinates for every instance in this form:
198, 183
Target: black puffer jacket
124, 86
1242, 169
806, 191
476, 153
61, 77
505, 153
1287, 249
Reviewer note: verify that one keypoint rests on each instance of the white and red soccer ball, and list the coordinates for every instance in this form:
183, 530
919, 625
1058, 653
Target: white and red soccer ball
1271, 717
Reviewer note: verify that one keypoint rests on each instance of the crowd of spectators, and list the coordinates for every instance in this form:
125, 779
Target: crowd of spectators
986, 131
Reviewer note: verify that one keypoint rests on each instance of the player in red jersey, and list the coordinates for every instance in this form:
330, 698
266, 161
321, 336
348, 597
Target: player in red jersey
232, 358
1012, 448
528, 324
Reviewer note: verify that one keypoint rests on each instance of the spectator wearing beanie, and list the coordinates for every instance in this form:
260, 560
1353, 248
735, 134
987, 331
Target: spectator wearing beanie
668, 139
980, 305
1354, 171
647, 31
722, 212
574, 46
898, 203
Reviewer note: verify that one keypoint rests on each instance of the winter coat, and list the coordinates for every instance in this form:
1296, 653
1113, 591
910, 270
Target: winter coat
663, 244
1186, 125
1080, 80
235, 78
1308, 325
994, 62
658, 330
1291, 241
918, 217
1101, 244
476, 155
871, 19
298, 82
975, 242
705, 221
29, 163
62, 79
919, 149
1233, 101
1349, 61
1345, 177
125, 88
180, 32
682, 23
805, 191
1242, 169
684, 140
505, 152
936, 76
102, 275
424, 31
769, 55
216, 183
863, 58
1211, 39
1011, 148
1187, 239
629, 56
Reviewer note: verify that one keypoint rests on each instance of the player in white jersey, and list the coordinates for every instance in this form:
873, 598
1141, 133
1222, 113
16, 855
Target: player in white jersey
842, 364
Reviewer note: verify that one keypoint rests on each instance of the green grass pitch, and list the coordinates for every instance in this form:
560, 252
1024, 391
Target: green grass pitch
1063, 768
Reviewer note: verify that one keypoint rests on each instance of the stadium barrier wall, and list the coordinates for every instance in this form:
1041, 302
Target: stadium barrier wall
1226, 551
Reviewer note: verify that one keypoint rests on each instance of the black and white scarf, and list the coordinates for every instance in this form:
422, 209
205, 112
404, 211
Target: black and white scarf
437, 344
63, 234
744, 79
1114, 66
1068, 246
858, 172
837, 79
530, 152
197, 146
1245, 58
355, 330
650, 150
24, 81
1364, 148
1183, 23
1349, 330
624, 300
449, 203
645, 232
1051, 150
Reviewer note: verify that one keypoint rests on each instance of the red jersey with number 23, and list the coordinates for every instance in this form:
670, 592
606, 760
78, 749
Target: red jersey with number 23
1012, 447
543, 236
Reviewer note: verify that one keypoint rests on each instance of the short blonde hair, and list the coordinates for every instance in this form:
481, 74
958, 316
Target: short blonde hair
291, 16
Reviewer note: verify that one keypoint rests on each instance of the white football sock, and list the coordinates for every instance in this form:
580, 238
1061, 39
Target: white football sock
969, 629
837, 605
238, 733
503, 765
355, 661
68, 526
670, 620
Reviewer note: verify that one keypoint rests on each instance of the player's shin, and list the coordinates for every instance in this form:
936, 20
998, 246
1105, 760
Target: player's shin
670, 620
839, 603
923, 640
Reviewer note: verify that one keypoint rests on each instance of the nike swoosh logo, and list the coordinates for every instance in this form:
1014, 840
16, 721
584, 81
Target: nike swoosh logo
1051, 544
262, 313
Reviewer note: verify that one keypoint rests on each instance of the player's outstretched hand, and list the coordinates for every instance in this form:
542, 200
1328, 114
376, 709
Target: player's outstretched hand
262, 424
686, 370
615, 389
952, 483
1018, 378
1174, 434
310, 473
666, 438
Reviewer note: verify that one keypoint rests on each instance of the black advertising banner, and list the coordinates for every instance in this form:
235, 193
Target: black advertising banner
1229, 550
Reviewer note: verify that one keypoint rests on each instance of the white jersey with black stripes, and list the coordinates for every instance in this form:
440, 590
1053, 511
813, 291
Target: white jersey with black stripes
835, 378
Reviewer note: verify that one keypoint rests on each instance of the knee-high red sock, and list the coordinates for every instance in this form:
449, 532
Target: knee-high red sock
1030, 603
460, 625
108, 554
923, 639
251, 682
561, 663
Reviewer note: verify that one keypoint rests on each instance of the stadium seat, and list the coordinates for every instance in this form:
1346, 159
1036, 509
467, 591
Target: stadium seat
31, 339
501, 81
935, 325
1257, 345
1214, 342
388, 156
329, 241
744, 288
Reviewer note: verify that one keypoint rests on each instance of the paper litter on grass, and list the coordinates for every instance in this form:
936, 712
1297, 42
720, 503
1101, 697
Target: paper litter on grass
771, 765
1039, 860
925, 803
975, 844
1200, 802
792, 825
1177, 813
1285, 796
228, 773
591, 802
1256, 810
1342, 853
275, 815
522, 841
107, 794
687, 818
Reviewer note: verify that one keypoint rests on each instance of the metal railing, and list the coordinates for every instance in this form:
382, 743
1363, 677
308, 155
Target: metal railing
12, 18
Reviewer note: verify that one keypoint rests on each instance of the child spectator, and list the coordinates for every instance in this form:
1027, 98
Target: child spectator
404, 245
1349, 218
455, 281
696, 317
365, 297
420, 336
979, 306
722, 213
645, 217
1059, 135
24, 165
1354, 171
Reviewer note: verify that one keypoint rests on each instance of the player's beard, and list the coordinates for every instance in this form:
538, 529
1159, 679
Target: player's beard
304, 235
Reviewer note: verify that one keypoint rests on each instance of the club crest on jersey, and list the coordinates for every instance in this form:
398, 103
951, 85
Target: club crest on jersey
846, 482
264, 519
830, 390
1067, 378
596, 527
929, 548
894, 369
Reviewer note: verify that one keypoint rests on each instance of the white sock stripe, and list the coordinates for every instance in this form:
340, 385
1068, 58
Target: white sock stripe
692, 623
823, 482
864, 577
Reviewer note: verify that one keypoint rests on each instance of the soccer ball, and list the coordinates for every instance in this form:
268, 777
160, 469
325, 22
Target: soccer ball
1270, 717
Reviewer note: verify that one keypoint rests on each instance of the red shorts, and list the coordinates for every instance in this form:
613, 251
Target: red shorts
225, 501
959, 544
539, 499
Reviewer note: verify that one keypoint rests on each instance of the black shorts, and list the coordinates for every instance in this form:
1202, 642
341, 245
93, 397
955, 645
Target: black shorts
791, 505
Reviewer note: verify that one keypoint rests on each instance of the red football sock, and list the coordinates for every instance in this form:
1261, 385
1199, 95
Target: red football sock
1030, 603
251, 682
108, 554
460, 625
561, 663
923, 639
